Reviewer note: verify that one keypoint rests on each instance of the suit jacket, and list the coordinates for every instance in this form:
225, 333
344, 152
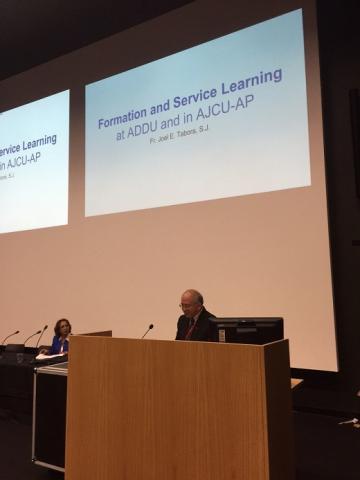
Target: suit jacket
201, 329
56, 346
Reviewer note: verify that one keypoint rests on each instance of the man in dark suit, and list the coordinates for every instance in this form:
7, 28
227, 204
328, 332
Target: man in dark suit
194, 323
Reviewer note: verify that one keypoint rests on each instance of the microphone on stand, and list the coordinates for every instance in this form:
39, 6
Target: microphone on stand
33, 335
2, 343
149, 328
42, 333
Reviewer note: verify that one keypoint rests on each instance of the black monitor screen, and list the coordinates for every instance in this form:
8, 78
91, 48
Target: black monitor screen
257, 331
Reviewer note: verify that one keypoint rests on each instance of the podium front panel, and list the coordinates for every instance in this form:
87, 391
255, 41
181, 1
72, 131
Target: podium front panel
160, 410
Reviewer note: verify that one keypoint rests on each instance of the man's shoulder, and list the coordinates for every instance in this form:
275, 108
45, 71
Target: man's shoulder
181, 319
206, 314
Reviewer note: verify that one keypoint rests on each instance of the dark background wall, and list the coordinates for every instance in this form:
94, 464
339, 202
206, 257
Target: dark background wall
339, 38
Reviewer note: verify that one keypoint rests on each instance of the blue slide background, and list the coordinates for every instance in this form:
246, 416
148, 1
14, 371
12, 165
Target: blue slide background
34, 190
260, 147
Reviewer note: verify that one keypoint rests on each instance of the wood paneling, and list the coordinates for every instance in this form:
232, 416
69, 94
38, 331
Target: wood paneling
161, 410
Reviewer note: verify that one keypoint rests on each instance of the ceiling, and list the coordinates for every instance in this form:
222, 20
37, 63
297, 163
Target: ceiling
36, 31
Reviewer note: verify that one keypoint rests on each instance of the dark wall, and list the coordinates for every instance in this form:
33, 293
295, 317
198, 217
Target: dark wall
339, 37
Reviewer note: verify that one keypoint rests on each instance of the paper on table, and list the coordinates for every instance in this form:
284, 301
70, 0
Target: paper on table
42, 356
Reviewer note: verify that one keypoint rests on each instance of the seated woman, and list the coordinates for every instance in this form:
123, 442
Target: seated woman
60, 342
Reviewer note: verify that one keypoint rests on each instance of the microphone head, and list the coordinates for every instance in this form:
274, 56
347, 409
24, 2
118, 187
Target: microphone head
151, 326
17, 331
45, 327
38, 332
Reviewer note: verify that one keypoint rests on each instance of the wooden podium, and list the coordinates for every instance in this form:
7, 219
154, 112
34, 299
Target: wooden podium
166, 410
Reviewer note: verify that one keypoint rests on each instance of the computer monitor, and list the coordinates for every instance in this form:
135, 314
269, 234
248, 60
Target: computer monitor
254, 330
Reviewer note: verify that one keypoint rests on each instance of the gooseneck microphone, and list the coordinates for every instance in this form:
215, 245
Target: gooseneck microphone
33, 335
2, 343
42, 333
147, 331
11, 334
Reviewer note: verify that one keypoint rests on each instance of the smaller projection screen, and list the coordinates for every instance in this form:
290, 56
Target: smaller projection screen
34, 164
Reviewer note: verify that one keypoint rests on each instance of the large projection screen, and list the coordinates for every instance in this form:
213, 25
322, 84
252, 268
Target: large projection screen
195, 125
237, 211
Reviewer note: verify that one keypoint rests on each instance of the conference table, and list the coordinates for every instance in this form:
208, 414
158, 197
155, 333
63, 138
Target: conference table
17, 376
21, 386
17, 379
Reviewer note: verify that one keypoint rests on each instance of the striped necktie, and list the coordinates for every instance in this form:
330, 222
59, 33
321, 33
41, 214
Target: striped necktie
190, 329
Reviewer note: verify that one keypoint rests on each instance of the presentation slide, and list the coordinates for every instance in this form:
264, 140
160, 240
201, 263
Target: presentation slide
222, 119
34, 164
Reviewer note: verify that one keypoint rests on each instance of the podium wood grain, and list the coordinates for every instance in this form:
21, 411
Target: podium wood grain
163, 410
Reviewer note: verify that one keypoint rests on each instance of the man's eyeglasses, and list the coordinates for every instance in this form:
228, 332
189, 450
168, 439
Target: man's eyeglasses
187, 305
